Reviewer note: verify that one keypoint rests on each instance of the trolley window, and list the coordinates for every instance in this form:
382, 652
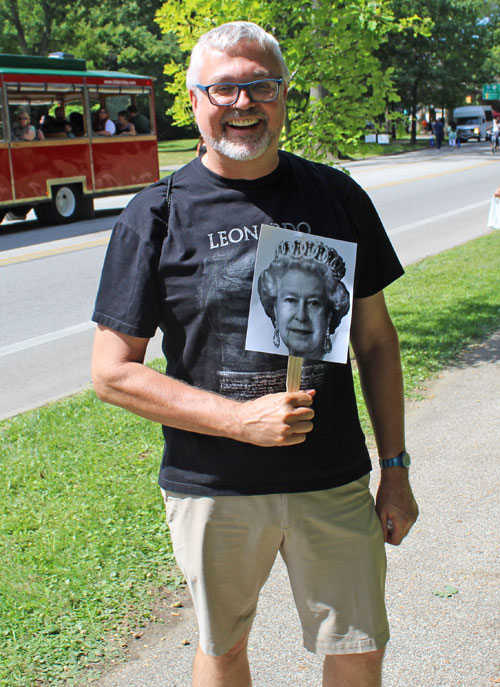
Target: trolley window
54, 110
121, 106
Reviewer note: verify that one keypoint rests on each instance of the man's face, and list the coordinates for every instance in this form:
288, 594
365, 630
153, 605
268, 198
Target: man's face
302, 313
245, 130
103, 114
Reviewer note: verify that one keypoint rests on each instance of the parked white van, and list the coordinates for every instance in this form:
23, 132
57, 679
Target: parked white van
473, 121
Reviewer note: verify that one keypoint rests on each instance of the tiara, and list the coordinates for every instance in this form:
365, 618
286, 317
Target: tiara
310, 250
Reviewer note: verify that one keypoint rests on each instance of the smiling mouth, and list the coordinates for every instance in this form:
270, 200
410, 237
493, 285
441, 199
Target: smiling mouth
248, 123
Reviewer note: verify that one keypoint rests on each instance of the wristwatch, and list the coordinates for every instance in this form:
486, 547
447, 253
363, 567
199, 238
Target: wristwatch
401, 461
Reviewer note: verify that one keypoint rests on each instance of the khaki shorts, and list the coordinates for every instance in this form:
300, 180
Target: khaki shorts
331, 542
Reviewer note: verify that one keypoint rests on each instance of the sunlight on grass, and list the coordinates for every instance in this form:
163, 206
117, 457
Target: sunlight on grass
441, 305
178, 152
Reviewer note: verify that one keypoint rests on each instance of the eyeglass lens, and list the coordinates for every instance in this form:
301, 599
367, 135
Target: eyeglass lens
258, 91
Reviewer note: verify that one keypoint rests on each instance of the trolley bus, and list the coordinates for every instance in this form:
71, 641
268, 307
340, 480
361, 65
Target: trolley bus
66, 158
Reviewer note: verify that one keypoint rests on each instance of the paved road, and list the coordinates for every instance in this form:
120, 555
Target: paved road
49, 280
454, 439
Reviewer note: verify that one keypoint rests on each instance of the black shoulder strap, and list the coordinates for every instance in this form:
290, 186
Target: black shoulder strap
168, 200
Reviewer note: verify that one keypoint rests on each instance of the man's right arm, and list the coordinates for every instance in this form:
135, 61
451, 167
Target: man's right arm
121, 378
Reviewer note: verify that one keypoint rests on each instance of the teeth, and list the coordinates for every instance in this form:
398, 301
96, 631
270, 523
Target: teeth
242, 122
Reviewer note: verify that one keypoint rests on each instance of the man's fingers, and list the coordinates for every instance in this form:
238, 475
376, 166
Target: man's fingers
395, 528
277, 419
302, 427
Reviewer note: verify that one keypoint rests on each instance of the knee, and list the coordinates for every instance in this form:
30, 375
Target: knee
238, 649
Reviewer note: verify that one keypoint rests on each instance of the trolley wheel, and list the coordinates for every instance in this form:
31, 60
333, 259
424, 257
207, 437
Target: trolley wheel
67, 205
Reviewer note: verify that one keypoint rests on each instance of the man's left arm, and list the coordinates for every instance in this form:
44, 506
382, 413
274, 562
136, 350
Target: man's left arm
376, 347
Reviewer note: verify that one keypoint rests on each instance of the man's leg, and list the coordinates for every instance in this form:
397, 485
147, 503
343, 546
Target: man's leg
353, 670
229, 670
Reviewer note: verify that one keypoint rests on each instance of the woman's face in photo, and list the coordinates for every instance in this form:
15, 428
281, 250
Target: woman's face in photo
302, 313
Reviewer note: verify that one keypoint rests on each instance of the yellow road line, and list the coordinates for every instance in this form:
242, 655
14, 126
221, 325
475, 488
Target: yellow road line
429, 176
52, 251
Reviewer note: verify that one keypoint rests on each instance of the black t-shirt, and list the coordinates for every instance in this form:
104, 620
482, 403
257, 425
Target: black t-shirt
194, 282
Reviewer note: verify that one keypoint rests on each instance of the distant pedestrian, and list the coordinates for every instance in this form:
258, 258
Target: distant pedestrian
439, 132
494, 134
201, 148
452, 134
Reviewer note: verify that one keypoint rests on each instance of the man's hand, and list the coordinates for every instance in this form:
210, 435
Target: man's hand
279, 419
396, 506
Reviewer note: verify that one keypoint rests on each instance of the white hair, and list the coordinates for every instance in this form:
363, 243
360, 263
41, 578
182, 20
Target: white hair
227, 36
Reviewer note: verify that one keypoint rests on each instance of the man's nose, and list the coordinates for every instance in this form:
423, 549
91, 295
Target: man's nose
244, 99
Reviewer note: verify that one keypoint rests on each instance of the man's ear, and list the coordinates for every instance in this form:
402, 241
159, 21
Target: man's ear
194, 99
285, 91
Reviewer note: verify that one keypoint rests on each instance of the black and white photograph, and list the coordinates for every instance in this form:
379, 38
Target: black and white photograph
302, 295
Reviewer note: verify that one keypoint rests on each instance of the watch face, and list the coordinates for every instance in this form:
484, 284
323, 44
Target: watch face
405, 459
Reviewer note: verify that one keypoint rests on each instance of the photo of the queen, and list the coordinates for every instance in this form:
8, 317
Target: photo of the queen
306, 292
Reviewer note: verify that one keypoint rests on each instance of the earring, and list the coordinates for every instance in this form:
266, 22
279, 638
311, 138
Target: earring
327, 344
276, 338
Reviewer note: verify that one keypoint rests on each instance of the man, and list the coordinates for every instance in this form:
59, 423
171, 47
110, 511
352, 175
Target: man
439, 132
140, 122
249, 469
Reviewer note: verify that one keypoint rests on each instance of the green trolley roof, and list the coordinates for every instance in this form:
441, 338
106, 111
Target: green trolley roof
27, 64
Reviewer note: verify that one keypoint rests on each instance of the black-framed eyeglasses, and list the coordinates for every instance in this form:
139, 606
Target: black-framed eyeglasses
227, 94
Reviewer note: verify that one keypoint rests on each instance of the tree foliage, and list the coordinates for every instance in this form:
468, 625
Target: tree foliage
111, 34
338, 83
443, 64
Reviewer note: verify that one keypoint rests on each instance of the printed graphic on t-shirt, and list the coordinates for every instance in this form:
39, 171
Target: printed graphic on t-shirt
302, 295
246, 386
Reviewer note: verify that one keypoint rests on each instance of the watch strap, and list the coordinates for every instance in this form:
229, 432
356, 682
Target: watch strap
401, 461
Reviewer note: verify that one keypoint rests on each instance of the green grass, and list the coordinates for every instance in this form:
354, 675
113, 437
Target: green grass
83, 537
82, 533
441, 305
401, 145
177, 152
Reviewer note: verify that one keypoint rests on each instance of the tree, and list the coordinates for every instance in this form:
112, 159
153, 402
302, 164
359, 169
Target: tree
29, 27
443, 64
108, 35
337, 82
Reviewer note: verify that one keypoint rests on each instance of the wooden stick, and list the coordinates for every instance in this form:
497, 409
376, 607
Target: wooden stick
294, 373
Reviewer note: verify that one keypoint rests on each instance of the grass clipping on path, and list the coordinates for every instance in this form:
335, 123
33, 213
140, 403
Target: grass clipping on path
82, 529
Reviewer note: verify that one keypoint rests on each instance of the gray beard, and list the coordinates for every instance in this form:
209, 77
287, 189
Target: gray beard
250, 149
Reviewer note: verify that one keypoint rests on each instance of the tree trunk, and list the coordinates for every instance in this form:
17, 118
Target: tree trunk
414, 106
16, 20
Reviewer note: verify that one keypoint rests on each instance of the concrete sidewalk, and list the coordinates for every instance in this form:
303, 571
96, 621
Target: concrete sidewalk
454, 438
